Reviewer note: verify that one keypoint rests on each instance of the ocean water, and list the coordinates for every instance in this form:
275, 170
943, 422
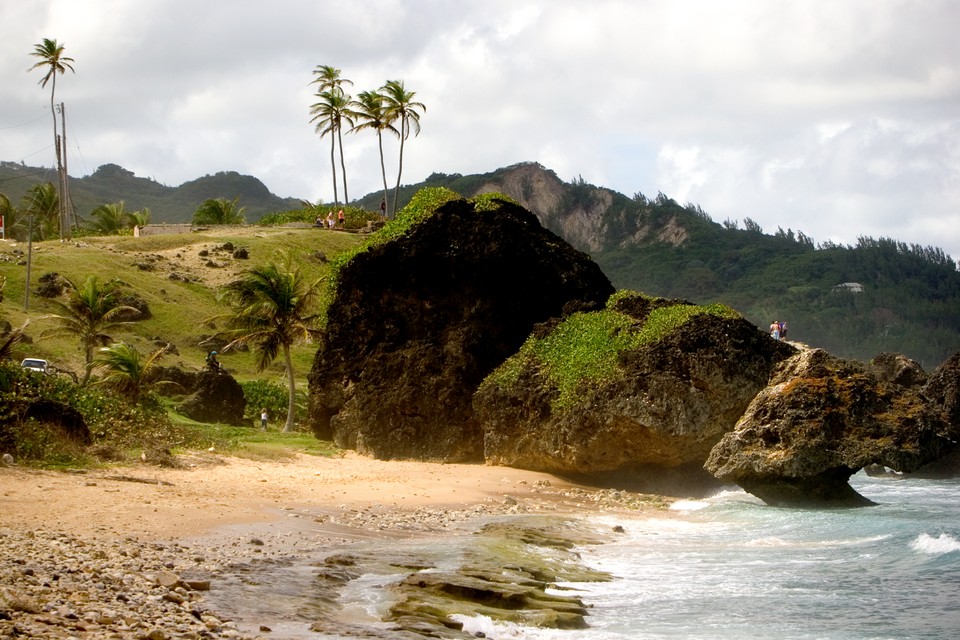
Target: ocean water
731, 567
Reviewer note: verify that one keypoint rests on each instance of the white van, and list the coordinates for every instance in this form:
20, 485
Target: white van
35, 364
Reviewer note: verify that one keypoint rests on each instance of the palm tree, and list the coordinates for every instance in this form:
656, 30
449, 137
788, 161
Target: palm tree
273, 309
7, 212
371, 115
219, 211
122, 369
43, 204
51, 56
330, 114
139, 218
400, 106
109, 219
89, 312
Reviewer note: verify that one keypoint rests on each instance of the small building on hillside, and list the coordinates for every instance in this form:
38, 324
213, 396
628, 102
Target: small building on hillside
847, 287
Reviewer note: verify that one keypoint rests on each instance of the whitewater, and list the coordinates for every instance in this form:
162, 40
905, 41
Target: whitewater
732, 567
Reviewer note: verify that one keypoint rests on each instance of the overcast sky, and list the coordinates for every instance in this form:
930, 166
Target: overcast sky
838, 118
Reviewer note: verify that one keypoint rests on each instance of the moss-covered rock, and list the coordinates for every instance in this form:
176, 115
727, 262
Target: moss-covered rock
641, 387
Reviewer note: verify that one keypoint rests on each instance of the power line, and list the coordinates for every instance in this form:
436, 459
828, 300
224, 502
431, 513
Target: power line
16, 126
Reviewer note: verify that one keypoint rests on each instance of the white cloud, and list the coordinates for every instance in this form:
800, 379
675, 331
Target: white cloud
839, 119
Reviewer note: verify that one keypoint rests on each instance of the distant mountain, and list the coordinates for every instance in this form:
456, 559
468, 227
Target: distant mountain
856, 301
112, 183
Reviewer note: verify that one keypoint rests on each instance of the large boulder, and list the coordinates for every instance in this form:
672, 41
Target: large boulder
216, 397
643, 409
820, 421
418, 321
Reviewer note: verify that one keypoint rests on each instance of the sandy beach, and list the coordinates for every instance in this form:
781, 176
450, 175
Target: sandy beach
157, 503
152, 528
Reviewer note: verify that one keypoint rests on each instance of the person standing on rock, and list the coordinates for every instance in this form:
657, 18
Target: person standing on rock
775, 330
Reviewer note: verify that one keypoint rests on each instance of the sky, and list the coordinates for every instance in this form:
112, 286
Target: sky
837, 118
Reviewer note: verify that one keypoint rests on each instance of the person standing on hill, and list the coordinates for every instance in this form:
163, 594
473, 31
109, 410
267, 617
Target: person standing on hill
263, 419
775, 330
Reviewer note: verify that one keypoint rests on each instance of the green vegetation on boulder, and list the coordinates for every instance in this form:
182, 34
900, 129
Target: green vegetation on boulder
584, 348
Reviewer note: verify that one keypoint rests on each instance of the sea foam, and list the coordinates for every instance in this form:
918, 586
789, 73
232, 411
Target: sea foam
944, 543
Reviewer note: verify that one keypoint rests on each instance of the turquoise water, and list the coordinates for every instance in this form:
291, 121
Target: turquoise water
732, 567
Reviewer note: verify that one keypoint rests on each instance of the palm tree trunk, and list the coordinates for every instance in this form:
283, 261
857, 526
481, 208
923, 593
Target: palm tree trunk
333, 164
56, 147
343, 168
396, 192
291, 408
383, 171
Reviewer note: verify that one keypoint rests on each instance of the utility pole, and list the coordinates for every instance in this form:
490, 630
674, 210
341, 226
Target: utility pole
68, 210
26, 288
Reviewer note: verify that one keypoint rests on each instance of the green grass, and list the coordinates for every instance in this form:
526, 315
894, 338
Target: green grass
585, 347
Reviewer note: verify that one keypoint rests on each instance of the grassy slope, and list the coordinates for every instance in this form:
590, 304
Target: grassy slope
179, 309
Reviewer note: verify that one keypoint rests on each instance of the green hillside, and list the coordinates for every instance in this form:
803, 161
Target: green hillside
178, 276
111, 183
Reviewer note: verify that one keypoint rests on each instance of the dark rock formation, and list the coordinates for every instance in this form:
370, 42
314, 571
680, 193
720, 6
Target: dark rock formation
819, 422
419, 321
654, 423
68, 420
217, 397
943, 392
898, 369
51, 285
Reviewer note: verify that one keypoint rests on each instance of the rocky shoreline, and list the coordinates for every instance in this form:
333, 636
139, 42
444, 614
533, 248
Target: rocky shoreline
58, 585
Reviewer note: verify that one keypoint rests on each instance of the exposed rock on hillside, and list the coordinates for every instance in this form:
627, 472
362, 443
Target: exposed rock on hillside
214, 397
667, 404
590, 218
419, 321
820, 421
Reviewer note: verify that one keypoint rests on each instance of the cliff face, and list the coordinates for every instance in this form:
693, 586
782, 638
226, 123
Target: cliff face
419, 321
586, 216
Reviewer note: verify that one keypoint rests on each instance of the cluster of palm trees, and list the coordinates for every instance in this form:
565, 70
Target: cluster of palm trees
386, 109
272, 308
37, 217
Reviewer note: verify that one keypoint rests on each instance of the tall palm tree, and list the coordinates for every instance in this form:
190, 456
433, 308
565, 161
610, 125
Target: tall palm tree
330, 113
51, 56
371, 114
90, 311
219, 211
273, 308
121, 367
401, 107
